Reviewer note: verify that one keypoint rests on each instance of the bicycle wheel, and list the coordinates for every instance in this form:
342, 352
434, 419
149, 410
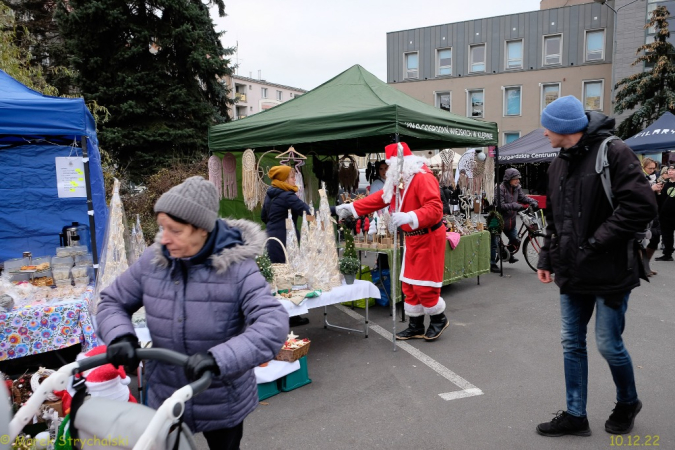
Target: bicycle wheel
531, 248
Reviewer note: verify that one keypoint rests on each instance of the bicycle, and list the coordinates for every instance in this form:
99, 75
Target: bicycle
531, 235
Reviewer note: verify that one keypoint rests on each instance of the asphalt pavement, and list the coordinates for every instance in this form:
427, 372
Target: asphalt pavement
494, 374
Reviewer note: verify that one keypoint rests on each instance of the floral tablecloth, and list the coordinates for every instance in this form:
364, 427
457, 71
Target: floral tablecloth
37, 329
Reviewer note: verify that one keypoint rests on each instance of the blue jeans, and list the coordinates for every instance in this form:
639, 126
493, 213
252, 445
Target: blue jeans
576, 311
512, 234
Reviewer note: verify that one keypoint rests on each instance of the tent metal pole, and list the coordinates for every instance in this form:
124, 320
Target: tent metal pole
499, 191
90, 206
395, 275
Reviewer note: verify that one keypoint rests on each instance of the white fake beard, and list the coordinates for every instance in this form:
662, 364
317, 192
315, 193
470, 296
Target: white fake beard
411, 166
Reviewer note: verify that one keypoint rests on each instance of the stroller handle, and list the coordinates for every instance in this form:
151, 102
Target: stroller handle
156, 354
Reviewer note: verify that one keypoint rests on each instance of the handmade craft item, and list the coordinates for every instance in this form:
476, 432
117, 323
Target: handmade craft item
216, 174
229, 190
249, 180
348, 174
114, 255
294, 259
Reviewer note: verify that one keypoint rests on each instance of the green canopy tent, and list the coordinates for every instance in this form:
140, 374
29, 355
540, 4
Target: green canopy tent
353, 113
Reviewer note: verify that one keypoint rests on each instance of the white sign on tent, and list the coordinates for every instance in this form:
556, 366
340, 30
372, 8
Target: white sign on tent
70, 177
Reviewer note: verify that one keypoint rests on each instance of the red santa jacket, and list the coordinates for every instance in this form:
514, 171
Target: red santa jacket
424, 255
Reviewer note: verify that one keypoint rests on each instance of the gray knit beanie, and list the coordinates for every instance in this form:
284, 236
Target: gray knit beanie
195, 201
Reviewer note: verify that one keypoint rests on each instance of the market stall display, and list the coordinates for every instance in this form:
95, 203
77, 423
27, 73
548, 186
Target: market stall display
51, 171
48, 319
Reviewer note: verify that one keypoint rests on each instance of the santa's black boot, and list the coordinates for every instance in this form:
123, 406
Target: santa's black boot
415, 329
437, 324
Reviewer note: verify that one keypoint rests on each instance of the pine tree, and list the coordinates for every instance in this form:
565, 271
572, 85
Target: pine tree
158, 67
38, 34
16, 59
650, 91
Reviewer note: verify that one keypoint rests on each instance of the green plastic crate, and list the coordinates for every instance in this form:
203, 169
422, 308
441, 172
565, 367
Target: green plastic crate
296, 379
365, 275
267, 390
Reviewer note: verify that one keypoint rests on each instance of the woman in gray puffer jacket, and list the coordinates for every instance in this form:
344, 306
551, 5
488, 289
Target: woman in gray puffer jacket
205, 297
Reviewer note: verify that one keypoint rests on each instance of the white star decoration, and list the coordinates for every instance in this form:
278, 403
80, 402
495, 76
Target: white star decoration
291, 336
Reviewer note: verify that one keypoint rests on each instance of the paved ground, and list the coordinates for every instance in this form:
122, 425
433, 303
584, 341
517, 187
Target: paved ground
503, 343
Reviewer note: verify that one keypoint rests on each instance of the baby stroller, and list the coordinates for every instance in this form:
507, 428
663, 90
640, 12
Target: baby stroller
135, 426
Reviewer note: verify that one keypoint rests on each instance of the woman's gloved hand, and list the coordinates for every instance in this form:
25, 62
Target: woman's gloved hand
122, 351
344, 211
199, 363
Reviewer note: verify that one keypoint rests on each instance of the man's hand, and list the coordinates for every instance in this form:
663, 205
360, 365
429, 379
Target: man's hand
401, 218
544, 276
344, 211
657, 187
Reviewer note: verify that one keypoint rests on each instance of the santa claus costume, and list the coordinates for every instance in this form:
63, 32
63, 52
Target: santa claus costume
420, 216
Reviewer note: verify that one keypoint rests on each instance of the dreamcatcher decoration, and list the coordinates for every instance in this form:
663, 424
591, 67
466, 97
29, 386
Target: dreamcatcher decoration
348, 174
446, 177
250, 184
229, 189
216, 174
478, 174
464, 170
295, 160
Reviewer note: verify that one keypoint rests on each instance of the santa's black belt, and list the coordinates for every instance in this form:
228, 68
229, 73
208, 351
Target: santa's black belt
424, 230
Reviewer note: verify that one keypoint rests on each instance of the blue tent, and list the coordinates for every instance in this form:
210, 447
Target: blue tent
34, 130
656, 138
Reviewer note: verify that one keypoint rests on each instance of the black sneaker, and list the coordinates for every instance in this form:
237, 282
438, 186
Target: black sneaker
664, 258
563, 424
513, 260
495, 269
622, 418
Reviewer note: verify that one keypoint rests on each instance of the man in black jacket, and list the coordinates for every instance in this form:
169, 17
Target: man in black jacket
667, 213
591, 249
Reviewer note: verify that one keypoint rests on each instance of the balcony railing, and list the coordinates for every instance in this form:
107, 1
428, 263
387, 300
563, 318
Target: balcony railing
240, 97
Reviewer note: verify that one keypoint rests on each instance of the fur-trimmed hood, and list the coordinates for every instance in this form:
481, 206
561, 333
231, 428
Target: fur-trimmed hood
252, 235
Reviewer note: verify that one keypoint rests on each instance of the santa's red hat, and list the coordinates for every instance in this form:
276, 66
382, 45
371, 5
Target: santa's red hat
391, 150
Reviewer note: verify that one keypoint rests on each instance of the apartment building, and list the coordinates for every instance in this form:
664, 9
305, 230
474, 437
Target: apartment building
252, 96
506, 69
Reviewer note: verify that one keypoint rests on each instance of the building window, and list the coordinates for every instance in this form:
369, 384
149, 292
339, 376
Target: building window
263, 92
443, 100
412, 65
553, 49
514, 54
593, 95
549, 93
444, 62
595, 45
475, 104
477, 58
291, 94
512, 100
280, 96
510, 136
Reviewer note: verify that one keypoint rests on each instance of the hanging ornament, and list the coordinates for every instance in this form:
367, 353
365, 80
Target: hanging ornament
249, 179
216, 174
229, 176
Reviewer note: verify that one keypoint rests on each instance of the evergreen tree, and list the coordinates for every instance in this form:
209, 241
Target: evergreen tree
651, 91
37, 33
158, 66
15, 59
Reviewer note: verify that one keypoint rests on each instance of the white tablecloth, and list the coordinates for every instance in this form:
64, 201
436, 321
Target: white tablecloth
345, 293
275, 370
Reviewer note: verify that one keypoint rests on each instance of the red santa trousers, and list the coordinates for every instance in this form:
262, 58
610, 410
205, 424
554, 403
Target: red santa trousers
420, 300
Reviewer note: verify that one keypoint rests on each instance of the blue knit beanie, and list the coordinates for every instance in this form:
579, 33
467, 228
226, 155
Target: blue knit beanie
565, 115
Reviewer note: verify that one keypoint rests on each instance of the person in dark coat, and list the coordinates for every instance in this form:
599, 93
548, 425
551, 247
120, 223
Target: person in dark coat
593, 251
509, 200
281, 198
204, 297
667, 213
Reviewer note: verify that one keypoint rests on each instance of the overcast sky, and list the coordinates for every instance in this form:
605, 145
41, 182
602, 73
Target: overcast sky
304, 43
